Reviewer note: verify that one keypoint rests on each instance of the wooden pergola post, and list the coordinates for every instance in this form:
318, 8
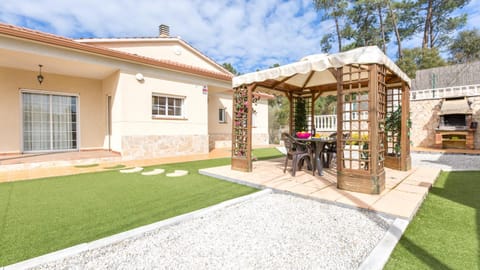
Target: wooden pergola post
405, 158
290, 121
340, 103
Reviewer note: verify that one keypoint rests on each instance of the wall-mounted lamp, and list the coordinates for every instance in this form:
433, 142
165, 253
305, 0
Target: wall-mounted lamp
40, 77
139, 77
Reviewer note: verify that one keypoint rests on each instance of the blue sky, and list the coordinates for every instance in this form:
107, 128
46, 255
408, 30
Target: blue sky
248, 34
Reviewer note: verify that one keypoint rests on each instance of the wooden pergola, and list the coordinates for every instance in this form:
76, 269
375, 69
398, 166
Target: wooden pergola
372, 111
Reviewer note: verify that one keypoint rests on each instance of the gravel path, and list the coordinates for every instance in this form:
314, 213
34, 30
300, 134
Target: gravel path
446, 161
275, 231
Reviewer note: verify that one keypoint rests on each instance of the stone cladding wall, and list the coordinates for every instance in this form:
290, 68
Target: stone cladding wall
163, 146
224, 140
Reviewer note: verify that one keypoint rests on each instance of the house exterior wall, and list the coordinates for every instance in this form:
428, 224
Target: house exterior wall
172, 50
136, 133
91, 106
221, 133
109, 88
260, 124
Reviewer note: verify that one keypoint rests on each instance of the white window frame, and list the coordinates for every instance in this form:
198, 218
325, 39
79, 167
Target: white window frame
222, 115
166, 116
45, 92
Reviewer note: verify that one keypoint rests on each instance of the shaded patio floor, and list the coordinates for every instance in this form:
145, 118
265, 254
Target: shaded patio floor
403, 195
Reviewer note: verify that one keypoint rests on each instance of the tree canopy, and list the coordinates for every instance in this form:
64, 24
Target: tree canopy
466, 47
429, 23
230, 68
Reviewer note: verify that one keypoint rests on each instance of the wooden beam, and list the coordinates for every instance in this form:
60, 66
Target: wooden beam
282, 81
325, 88
334, 72
308, 79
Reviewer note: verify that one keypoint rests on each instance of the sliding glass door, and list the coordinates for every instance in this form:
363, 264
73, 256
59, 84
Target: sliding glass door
49, 122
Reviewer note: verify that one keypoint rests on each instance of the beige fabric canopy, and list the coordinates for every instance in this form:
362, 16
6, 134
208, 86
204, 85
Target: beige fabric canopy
312, 71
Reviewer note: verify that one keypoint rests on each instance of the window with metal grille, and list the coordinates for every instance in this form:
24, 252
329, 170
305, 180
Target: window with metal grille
167, 106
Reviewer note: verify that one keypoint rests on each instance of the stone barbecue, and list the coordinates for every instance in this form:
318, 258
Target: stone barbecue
456, 128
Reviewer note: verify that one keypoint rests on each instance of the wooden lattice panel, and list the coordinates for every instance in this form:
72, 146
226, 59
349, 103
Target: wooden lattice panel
307, 112
394, 111
382, 96
355, 153
361, 105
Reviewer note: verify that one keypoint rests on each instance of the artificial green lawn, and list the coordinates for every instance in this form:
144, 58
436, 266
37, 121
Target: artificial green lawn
445, 234
266, 153
43, 215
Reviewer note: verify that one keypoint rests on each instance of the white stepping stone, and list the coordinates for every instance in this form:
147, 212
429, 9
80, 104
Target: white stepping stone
177, 173
132, 170
154, 172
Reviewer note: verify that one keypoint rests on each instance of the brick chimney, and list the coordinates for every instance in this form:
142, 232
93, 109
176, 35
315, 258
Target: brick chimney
164, 30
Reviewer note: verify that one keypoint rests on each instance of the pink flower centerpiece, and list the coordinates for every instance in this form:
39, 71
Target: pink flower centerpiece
303, 134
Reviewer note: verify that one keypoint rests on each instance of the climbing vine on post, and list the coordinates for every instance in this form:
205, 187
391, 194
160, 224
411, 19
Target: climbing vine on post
243, 101
300, 115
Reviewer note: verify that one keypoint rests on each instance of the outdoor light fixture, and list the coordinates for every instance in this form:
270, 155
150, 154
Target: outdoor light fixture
139, 77
40, 77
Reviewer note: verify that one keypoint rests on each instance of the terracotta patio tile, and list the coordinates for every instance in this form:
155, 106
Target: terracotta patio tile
301, 189
261, 178
418, 183
403, 204
330, 193
422, 179
412, 188
286, 185
358, 199
303, 178
276, 182
318, 183
426, 172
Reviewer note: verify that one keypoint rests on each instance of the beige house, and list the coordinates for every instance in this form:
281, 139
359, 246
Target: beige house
141, 97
